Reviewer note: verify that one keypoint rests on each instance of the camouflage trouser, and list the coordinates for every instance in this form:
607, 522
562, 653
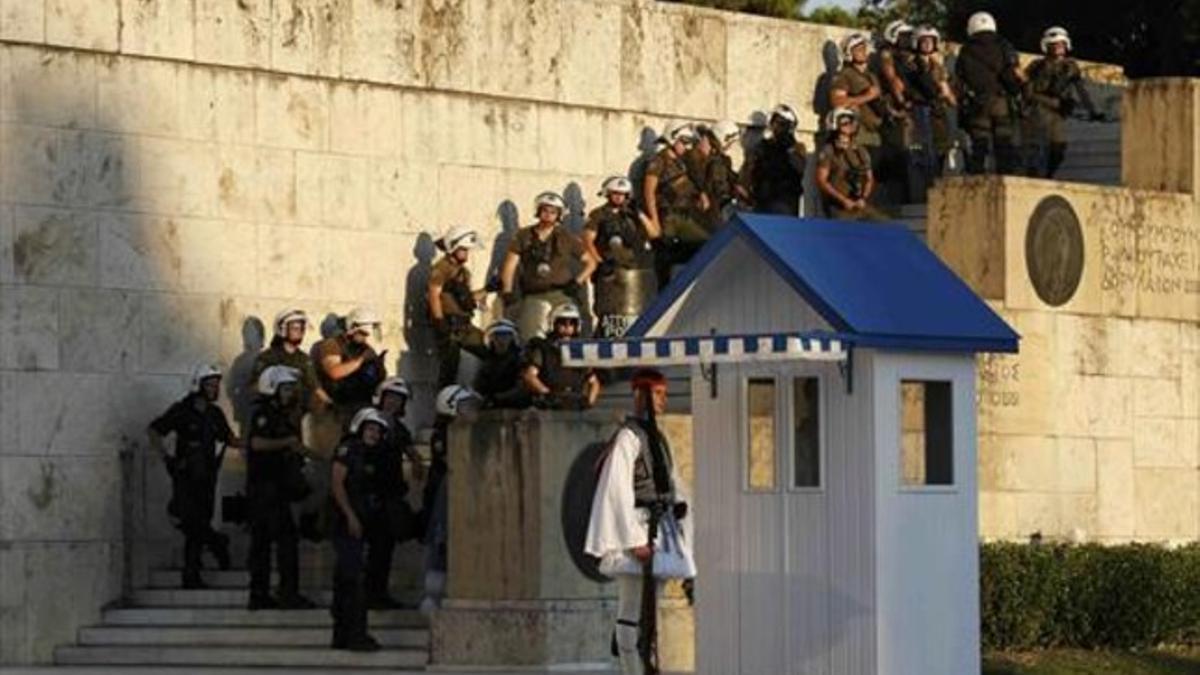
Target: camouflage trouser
866, 213
992, 129
1044, 137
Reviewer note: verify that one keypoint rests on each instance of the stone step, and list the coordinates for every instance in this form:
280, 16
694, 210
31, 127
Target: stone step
300, 657
313, 577
209, 597
234, 636
239, 616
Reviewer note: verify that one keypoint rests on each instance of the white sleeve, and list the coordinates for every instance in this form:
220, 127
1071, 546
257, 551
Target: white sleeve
616, 525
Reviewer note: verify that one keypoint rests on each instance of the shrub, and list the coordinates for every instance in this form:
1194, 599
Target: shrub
1088, 596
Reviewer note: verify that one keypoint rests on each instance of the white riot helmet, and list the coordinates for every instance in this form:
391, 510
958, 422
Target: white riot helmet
367, 416
392, 385
834, 117
926, 32
287, 316
566, 311
361, 319
451, 398
851, 42
981, 22
893, 31
786, 113
459, 236
1055, 34
201, 373
502, 327
275, 376
726, 131
550, 199
683, 132
618, 184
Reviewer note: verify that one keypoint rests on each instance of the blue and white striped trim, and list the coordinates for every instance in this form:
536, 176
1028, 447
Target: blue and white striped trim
674, 351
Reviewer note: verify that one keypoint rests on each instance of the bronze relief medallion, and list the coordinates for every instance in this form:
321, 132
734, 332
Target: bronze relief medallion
1054, 251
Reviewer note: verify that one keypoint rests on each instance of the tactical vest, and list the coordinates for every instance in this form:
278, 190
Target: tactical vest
620, 239
775, 178
552, 373
849, 169
644, 491
984, 67
543, 266
372, 476
459, 288
676, 190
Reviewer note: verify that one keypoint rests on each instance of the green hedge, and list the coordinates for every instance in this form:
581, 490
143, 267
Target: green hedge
1088, 596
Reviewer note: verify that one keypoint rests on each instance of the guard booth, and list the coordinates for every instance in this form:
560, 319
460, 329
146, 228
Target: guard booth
833, 403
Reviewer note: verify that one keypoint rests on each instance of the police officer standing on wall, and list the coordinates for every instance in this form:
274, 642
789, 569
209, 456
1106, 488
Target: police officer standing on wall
844, 173
361, 476
857, 88
452, 303
552, 384
932, 98
273, 481
987, 72
773, 173
718, 178
1055, 87
499, 378
199, 427
547, 264
675, 202
621, 238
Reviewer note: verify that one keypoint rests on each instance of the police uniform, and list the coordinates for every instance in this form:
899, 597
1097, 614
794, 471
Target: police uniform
456, 332
399, 523
1053, 85
373, 478
849, 167
567, 385
270, 489
353, 392
773, 175
856, 82
434, 500
930, 128
684, 228
546, 272
499, 379
625, 281
985, 71
194, 471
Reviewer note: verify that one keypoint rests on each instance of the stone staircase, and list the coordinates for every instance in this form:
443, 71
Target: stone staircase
1093, 153
163, 626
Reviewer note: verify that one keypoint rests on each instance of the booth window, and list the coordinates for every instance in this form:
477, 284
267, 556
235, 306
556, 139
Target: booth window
926, 434
806, 430
760, 434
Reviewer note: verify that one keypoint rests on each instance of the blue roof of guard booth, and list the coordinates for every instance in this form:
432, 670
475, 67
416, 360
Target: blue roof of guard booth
877, 283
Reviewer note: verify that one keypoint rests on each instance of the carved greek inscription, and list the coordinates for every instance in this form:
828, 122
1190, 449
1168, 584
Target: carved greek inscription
999, 381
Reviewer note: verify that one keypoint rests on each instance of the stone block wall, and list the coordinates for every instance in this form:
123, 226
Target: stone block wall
174, 172
1092, 432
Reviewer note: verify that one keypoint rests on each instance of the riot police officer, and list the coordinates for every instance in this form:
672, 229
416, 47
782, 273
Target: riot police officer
1055, 87
622, 240
274, 478
452, 303
675, 202
349, 367
290, 327
551, 384
400, 524
844, 173
363, 477
987, 72
773, 173
547, 264
499, 378
719, 180
856, 87
200, 427
932, 99
451, 401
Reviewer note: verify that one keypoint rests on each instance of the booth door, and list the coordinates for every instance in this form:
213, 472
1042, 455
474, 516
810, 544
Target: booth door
762, 539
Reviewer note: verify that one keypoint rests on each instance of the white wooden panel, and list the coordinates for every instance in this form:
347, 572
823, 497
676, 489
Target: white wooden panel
928, 576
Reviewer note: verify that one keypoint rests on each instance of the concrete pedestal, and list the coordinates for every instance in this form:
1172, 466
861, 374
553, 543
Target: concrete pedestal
514, 596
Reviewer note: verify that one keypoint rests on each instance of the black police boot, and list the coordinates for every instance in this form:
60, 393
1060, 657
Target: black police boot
362, 643
339, 640
220, 550
262, 602
295, 601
